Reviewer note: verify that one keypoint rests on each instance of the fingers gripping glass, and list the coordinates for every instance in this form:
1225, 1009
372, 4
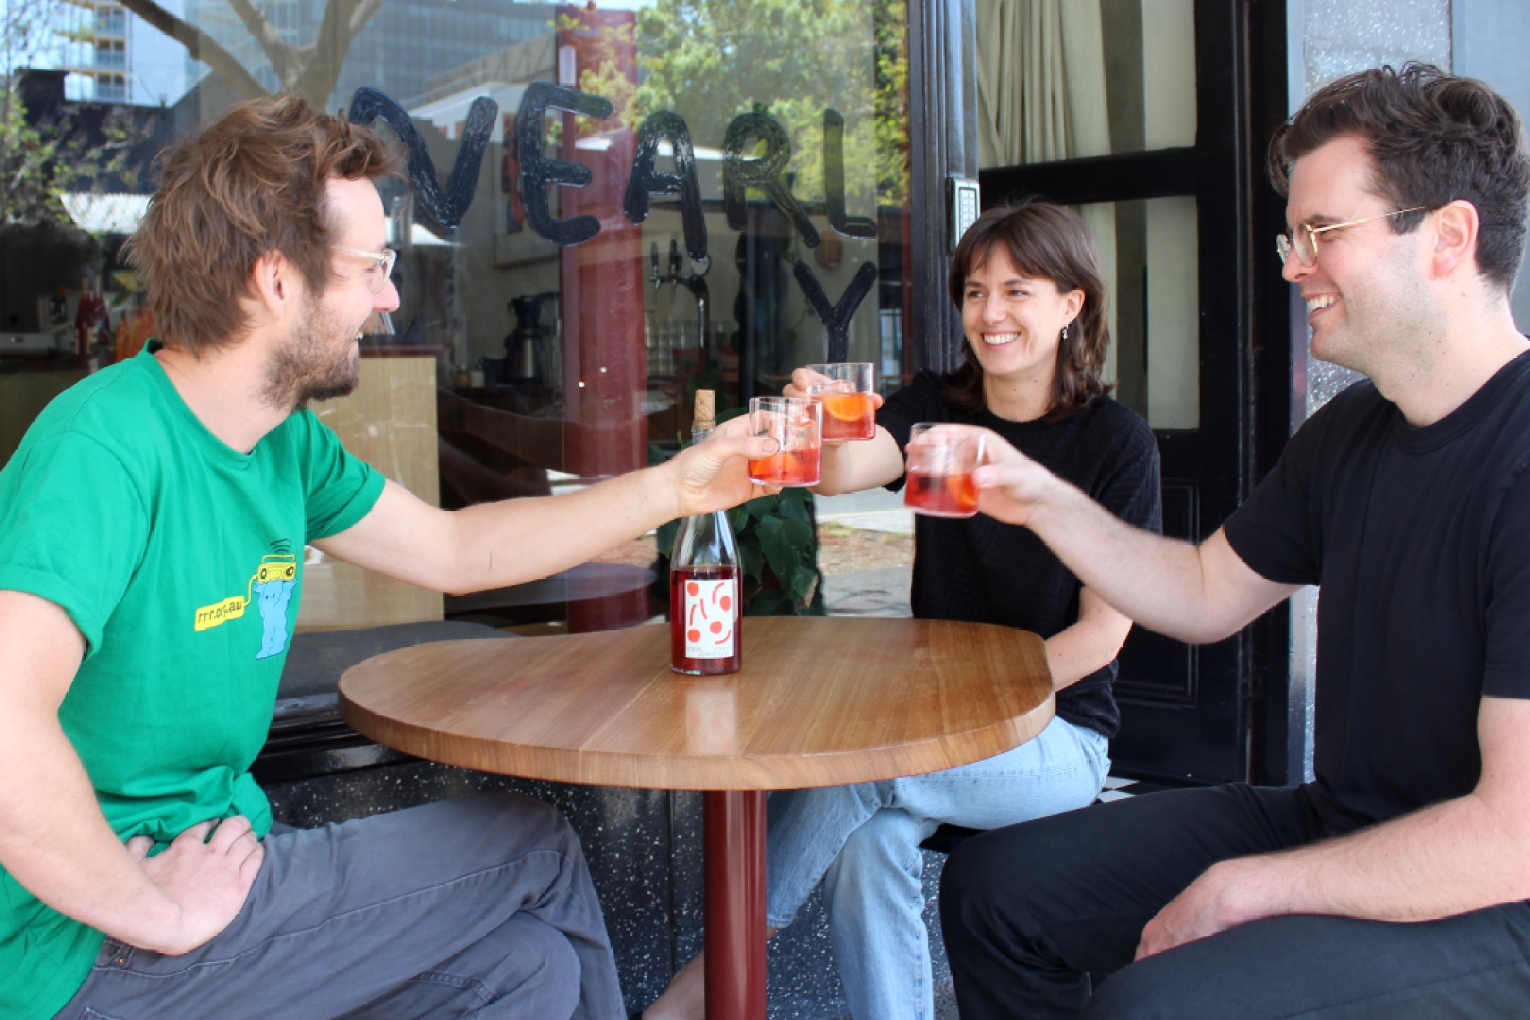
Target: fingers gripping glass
382, 266
1307, 250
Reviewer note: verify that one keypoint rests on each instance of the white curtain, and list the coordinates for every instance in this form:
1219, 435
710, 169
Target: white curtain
1041, 97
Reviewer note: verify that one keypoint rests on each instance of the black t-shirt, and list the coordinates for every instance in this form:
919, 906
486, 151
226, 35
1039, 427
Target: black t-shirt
980, 570
1419, 539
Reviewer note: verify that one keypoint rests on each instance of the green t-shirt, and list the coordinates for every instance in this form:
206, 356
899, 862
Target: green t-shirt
181, 562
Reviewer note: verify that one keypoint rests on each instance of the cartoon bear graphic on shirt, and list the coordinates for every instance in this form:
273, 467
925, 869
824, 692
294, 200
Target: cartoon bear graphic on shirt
270, 588
273, 597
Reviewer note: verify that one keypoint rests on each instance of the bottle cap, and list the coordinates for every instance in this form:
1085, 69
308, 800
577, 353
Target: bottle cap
706, 413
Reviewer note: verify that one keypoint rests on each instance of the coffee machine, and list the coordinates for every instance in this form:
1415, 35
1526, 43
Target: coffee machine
525, 346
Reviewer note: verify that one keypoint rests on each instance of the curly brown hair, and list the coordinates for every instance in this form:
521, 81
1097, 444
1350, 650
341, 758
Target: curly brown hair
1434, 138
250, 183
1048, 242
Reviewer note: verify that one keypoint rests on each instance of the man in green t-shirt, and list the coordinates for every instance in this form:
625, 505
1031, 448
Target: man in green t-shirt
152, 526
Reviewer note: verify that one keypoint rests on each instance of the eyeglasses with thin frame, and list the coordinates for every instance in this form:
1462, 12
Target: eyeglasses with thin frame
383, 261
1307, 253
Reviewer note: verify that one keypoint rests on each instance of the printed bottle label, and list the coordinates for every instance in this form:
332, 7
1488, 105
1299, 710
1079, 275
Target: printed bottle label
710, 618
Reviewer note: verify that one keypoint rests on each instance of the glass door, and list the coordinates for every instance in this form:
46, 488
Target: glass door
1139, 113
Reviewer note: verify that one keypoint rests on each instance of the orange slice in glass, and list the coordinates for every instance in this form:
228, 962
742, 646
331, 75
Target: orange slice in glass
844, 406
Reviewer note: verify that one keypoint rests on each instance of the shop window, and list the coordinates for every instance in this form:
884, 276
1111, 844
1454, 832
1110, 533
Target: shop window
549, 335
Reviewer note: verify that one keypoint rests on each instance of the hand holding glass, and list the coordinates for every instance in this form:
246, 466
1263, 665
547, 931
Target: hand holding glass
941, 459
796, 424
845, 390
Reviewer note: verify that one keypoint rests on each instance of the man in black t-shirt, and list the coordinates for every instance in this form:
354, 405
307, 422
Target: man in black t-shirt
1406, 498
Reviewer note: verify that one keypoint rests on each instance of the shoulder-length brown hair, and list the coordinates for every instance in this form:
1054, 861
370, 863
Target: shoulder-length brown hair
1047, 242
250, 183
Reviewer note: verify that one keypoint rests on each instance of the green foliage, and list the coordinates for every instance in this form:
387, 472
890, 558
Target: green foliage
710, 60
779, 548
42, 161
39, 164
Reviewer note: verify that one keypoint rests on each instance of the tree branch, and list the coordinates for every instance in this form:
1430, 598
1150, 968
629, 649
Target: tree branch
199, 46
343, 21
283, 55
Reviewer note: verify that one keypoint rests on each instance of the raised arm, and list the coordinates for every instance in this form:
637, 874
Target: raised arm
1194, 593
498, 544
1451, 857
54, 839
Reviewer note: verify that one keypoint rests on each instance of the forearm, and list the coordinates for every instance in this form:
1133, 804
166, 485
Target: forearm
57, 844
1075, 653
1159, 583
519, 540
1090, 644
1446, 859
854, 467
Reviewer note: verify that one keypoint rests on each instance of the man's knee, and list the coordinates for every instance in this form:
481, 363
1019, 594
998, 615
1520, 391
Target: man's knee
1147, 990
980, 867
528, 963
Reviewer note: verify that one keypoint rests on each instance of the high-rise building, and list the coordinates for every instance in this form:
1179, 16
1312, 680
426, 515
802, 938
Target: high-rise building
114, 56
405, 43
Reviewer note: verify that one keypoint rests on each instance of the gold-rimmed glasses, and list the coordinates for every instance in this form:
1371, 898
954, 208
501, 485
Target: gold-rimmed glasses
1285, 247
382, 262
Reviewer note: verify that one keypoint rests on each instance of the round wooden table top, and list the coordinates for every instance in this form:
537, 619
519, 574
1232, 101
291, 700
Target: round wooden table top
820, 701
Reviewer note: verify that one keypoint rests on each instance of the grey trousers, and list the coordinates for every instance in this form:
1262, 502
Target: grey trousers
478, 908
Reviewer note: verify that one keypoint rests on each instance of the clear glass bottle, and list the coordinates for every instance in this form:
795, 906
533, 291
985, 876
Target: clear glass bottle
705, 615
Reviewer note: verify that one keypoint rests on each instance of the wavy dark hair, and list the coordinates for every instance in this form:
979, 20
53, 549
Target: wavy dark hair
1048, 242
1434, 138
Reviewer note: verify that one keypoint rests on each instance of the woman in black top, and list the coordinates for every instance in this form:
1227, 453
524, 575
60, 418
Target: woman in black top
1027, 281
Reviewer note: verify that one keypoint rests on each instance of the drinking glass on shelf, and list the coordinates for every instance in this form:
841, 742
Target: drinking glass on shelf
845, 390
796, 424
941, 459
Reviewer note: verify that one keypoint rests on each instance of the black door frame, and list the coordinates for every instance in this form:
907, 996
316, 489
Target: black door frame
942, 145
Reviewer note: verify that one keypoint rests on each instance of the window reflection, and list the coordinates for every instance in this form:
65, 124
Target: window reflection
516, 365
1149, 256
1063, 79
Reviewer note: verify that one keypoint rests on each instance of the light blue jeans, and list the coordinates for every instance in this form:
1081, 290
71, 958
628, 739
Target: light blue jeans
863, 841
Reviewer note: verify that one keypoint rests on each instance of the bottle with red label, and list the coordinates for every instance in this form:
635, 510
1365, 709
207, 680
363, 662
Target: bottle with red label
704, 583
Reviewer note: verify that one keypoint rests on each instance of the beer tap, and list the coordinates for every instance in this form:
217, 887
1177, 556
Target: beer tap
694, 281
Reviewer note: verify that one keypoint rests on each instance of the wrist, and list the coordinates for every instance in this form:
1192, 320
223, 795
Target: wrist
668, 494
153, 922
1254, 887
1049, 506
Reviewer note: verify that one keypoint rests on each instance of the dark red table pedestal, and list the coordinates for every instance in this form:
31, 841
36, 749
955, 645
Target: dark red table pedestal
734, 824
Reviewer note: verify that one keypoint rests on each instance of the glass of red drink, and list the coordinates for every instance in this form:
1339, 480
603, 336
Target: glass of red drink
845, 391
941, 459
796, 424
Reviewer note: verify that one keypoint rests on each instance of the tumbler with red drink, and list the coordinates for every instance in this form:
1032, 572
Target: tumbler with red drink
845, 389
796, 424
941, 458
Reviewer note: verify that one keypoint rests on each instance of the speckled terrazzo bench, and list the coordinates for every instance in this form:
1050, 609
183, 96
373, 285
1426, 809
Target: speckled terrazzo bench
307, 737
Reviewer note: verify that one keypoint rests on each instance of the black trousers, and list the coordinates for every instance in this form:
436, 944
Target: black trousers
1029, 911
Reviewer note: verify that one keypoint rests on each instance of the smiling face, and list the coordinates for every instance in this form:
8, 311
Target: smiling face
1367, 299
320, 358
1013, 322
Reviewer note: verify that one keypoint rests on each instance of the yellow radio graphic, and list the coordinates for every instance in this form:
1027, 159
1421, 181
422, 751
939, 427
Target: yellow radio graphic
273, 567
